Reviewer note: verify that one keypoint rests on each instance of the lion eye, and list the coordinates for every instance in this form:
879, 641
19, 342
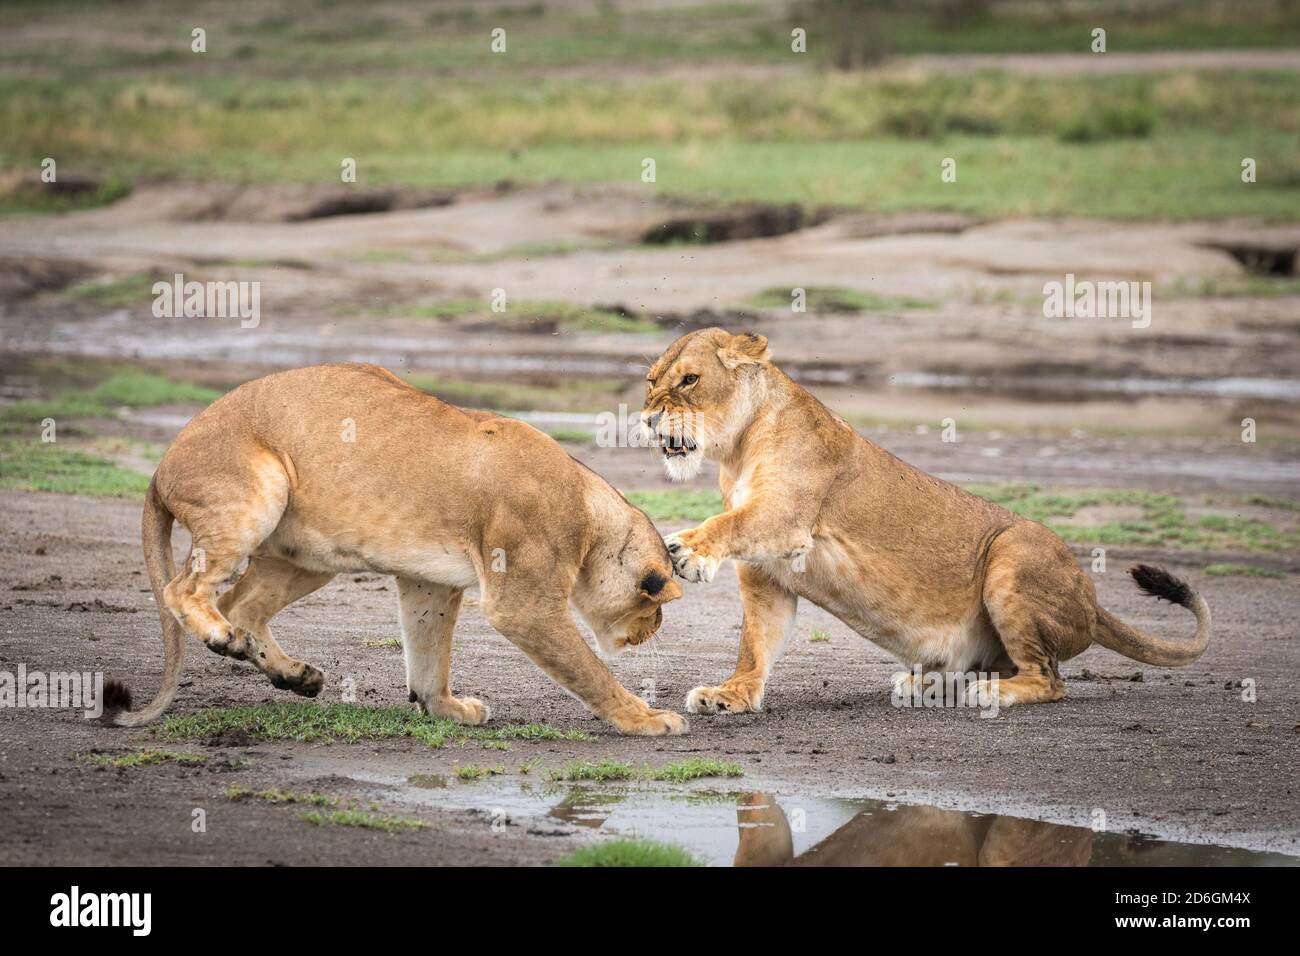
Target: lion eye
689, 380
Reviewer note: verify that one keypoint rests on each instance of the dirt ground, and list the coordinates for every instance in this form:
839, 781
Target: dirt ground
1174, 753
1178, 754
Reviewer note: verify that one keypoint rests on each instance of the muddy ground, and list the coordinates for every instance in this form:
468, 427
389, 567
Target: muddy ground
1177, 754
1174, 753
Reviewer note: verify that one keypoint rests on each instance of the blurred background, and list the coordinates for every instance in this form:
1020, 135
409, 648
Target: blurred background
519, 205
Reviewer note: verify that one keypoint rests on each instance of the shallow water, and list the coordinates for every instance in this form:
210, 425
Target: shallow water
752, 828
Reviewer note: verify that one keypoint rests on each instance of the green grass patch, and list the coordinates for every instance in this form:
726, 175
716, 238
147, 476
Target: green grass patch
1233, 287
572, 436
36, 466
280, 796
343, 723
1230, 570
645, 853
131, 388
693, 768
1164, 522
819, 636
601, 771
610, 771
148, 757
566, 395
115, 292
827, 299
361, 818
563, 316
675, 504
390, 643
469, 772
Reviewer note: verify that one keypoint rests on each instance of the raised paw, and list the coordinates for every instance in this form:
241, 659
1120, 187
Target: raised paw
690, 560
724, 700
654, 723
304, 680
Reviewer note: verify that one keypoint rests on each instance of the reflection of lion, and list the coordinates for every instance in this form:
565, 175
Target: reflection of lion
337, 468
940, 578
910, 836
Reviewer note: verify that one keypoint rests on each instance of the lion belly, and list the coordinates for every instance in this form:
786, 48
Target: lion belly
944, 629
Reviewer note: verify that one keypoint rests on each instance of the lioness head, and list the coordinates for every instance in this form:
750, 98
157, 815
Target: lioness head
625, 581
700, 394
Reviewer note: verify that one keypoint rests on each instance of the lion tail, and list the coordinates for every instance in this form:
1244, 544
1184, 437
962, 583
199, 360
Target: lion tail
156, 537
1114, 634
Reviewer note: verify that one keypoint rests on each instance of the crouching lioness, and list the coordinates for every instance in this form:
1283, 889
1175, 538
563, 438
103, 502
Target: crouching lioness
945, 581
337, 468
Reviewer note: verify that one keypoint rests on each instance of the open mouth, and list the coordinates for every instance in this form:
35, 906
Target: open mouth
674, 446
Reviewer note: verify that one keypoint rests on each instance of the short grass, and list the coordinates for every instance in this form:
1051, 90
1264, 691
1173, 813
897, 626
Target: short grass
115, 292
122, 388
1164, 522
471, 772
148, 757
677, 504
362, 818
561, 395
563, 316
623, 852
612, 771
1231, 570
819, 636
390, 643
275, 795
343, 723
31, 465
572, 436
834, 299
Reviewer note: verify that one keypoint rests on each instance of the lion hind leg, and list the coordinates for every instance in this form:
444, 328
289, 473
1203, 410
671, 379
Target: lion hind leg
429, 614
1031, 605
266, 588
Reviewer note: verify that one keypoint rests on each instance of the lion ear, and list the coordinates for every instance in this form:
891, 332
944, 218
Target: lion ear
745, 349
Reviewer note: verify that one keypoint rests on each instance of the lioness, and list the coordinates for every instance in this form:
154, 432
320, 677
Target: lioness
938, 577
347, 468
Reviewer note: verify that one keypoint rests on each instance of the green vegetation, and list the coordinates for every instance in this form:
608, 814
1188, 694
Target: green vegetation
629, 853
607, 771
388, 643
36, 466
347, 723
361, 818
270, 105
1163, 521
115, 292
819, 636
125, 387
280, 796
603, 771
147, 758
568, 394
824, 299
675, 504
693, 768
1246, 287
468, 772
1229, 570
572, 436
563, 316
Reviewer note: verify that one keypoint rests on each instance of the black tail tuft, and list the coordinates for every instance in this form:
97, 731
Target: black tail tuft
1160, 583
117, 698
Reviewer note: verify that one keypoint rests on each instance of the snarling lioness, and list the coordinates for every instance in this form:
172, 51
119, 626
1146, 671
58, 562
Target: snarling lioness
944, 580
346, 467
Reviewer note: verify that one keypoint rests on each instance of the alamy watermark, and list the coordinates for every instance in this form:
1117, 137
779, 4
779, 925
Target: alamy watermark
920, 688
1085, 299
53, 689
209, 300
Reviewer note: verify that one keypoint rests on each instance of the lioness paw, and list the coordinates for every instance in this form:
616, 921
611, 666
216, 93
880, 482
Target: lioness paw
655, 723
690, 561
722, 700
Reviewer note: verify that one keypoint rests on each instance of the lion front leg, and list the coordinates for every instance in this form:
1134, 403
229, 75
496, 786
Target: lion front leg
769, 617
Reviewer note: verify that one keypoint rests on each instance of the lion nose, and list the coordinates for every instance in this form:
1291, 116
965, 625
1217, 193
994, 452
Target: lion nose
652, 419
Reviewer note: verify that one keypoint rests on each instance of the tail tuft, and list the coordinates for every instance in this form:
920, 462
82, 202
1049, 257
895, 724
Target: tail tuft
116, 699
1159, 583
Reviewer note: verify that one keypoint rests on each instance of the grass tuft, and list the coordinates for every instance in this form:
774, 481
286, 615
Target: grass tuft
147, 758
647, 853
362, 818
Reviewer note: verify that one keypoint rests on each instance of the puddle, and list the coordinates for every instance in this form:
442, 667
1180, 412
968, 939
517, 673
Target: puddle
753, 828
